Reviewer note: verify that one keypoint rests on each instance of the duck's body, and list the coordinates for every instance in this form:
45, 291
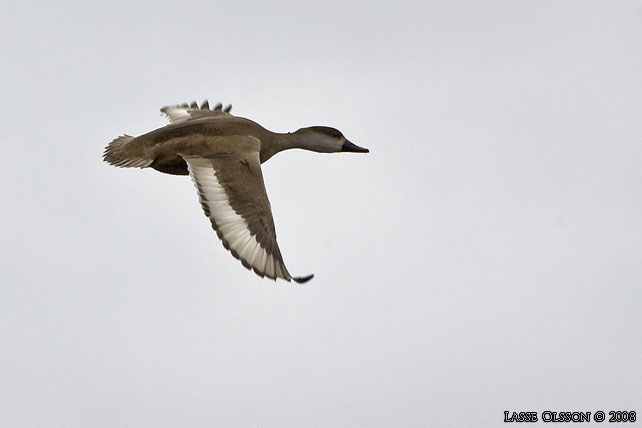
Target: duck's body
223, 154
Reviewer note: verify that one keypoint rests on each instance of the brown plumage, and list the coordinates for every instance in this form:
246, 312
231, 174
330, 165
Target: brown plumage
223, 154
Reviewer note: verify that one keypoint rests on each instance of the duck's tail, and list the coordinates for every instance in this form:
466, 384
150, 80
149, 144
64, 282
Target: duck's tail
120, 152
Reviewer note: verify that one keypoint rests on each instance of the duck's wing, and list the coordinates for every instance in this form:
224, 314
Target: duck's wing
184, 112
232, 193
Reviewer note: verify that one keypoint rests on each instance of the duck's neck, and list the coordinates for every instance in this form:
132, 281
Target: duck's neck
292, 140
274, 142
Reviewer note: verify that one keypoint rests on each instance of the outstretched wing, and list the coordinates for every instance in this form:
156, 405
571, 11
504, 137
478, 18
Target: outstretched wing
184, 112
232, 193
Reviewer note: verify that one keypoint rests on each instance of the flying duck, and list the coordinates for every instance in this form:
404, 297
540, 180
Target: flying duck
223, 155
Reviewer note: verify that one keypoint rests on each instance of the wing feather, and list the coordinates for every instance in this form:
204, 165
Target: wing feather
184, 112
233, 196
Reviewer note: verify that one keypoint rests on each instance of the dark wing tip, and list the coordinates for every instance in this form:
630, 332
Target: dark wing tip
303, 279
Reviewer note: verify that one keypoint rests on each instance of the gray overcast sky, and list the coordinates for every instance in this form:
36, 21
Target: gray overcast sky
485, 256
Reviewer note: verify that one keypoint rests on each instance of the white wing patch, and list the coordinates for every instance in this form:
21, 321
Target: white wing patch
231, 227
176, 114
184, 112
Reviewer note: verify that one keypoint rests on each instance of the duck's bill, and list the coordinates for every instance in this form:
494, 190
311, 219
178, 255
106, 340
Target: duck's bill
349, 147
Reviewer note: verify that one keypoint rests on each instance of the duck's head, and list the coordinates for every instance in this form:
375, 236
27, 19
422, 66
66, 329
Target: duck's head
324, 139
